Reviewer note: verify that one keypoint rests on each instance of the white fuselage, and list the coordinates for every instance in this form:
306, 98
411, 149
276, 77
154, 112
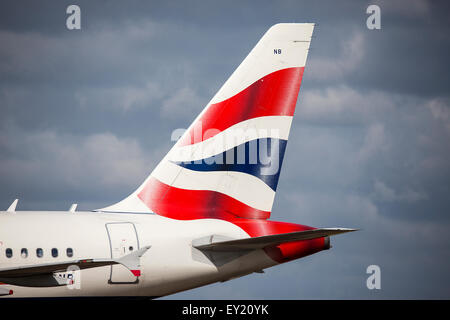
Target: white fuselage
170, 265
215, 188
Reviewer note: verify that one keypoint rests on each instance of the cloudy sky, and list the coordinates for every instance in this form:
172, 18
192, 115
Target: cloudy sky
87, 114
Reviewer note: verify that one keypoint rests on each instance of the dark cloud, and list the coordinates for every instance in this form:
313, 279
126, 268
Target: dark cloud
368, 148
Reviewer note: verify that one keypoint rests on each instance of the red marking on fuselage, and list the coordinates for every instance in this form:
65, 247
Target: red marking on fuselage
184, 204
286, 251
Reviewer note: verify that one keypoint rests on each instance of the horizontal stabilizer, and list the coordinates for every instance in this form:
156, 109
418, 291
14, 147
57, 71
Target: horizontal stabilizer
271, 240
130, 261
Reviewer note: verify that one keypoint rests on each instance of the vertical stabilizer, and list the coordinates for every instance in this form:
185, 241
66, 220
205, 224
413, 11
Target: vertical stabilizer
228, 162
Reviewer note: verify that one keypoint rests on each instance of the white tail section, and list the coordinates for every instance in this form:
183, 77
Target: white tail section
228, 162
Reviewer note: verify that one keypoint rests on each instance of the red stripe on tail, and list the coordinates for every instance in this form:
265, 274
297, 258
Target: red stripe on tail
273, 95
186, 204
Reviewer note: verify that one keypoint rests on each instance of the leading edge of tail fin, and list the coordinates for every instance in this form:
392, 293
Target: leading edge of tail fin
227, 163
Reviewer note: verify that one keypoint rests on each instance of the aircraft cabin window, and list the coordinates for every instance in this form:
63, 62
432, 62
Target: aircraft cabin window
54, 252
39, 252
69, 252
9, 253
24, 253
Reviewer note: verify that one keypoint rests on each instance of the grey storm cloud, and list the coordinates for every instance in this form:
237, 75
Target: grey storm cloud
86, 115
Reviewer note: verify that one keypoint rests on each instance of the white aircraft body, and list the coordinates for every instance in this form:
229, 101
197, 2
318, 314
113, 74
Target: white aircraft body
202, 216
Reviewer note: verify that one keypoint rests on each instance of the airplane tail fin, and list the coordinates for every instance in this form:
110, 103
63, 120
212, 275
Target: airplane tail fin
228, 162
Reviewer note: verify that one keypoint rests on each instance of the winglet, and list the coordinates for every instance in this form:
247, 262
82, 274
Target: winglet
73, 207
5, 292
132, 261
12, 207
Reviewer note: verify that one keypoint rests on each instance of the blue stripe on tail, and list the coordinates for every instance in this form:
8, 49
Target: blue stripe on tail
261, 158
